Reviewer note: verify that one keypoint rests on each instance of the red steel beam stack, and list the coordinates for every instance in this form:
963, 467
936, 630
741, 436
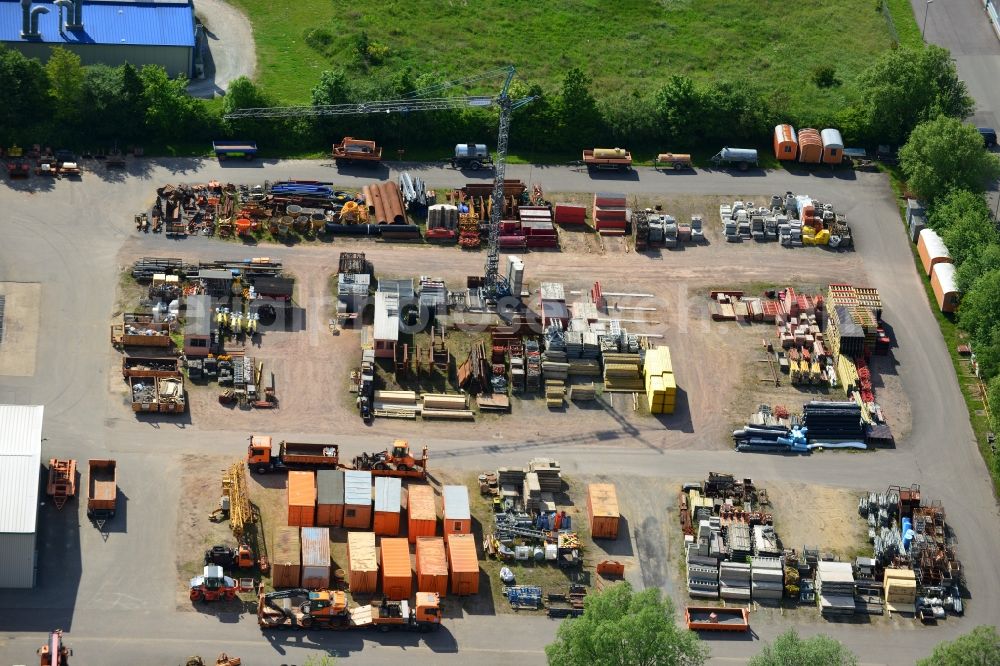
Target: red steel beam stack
536, 223
610, 214
570, 214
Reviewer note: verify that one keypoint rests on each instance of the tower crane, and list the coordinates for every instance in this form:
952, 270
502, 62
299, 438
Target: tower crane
495, 286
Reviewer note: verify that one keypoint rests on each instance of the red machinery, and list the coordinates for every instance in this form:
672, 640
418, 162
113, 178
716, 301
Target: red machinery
213, 585
54, 653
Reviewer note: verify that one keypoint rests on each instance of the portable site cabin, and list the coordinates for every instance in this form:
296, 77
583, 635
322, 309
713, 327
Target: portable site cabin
386, 328
810, 146
302, 499
432, 565
397, 574
833, 146
197, 325
932, 250
330, 497
285, 569
457, 516
463, 564
916, 219
357, 499
315, 557
387, 501
945, 286
602, 509
362, 562
786, 143
421, 513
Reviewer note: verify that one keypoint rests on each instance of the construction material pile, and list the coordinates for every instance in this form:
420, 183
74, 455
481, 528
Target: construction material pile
611, 214
792, 220
822, 425
661, 385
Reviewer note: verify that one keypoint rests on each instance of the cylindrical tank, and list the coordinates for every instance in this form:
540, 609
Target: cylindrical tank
470, 150
610, 153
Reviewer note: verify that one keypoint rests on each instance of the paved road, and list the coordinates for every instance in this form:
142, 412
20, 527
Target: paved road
230, 51
110, 593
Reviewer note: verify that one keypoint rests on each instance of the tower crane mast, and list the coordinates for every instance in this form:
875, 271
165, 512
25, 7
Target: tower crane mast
494, 285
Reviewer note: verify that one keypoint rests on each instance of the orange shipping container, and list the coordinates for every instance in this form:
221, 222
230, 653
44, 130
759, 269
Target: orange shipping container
285, 570
330, 497
463, 564
397, 574
387, 500
301, 499
457, 516
421, 513
602, 509
316, 558
432, 565
358, 499
810, 146
362, 562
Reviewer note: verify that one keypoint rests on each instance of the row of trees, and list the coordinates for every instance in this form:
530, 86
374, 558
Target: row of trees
62, 101
946, 166
627, 628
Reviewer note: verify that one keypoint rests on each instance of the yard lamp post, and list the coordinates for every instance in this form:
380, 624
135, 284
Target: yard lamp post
927, 7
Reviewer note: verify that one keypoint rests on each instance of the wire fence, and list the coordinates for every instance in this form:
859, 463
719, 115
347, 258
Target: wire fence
884, 8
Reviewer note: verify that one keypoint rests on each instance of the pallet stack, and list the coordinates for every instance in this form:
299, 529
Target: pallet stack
661, 385
555, 393
610, 214
622, 372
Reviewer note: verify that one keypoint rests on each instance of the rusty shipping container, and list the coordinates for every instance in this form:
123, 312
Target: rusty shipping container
602, 509
358, 499
302, 499
432, 565
330, 497
362, 575
387, 500
285, 569
463, 564
315, 558
457, 516
397, 574
421, 512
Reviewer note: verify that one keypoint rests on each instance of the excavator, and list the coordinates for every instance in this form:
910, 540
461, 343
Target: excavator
398, 459
222, 660
54, 653
328, 609
213, 585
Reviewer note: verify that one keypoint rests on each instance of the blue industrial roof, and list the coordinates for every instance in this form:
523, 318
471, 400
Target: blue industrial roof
136, 23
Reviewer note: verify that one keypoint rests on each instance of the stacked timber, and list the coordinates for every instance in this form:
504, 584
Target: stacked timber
622, 372
532, 491
583, 392
399, 404
555, 393
446, 406
548, 472
661, 386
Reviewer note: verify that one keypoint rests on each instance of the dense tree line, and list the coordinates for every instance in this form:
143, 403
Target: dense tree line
65, 102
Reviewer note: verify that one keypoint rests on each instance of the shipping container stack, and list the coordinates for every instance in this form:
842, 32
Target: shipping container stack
610, 214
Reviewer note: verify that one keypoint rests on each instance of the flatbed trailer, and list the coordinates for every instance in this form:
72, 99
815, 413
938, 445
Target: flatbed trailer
305, 609
229, 149
608, 159
264, 457
102, 494
357, 151
712, 618
62, 481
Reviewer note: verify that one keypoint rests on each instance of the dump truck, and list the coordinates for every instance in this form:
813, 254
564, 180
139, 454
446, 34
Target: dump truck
675, 161
102, 497
54, 652
713, 618
610, 159
357, 151
472, 156
263, 458
62, 481
229, 149
328, 609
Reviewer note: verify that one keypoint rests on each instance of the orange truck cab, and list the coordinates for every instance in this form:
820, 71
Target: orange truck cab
264, 457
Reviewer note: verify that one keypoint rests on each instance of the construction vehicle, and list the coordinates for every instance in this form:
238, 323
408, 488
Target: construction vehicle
222, 660
357, 151
614, 159
366, 386
227, 149
213, 585
62, 481
17, 164
713, 618
102, 498
54, 653
494, 286
675, 161
472, 156
397, 461
328, 609
230, 558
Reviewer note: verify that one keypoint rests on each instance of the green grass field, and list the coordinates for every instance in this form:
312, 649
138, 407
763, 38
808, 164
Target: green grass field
625, 45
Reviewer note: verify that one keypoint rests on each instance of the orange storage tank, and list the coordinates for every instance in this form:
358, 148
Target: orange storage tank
362, 562
388, 491
457, 516
397, 574
432, 565
786, 144
285, 569
421, 512
602, 509
463, 564
810, 146
302, 499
